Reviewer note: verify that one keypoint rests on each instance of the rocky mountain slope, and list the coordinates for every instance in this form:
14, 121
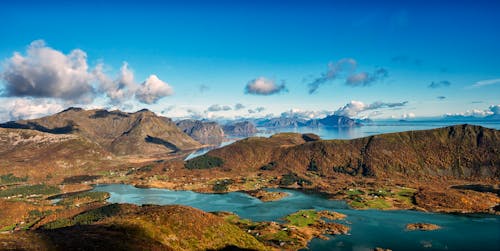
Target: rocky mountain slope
240, 129
121, 133
462, 151
207, 133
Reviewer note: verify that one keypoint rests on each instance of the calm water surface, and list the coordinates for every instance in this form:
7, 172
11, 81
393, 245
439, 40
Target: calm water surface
369, 228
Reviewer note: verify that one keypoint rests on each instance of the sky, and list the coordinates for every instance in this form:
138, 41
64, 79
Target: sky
229, 59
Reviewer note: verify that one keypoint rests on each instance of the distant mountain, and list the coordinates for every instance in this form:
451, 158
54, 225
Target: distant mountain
207, 133
334, 121
121, 133
240, 129
328, 121
282, 122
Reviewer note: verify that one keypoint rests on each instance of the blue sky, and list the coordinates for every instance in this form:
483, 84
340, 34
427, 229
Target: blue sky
209, 52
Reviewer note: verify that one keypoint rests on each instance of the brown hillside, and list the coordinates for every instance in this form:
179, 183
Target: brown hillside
27, 152
139, 133
462, 151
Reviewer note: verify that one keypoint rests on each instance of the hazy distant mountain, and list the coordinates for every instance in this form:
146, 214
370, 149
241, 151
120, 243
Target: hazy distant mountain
205, 132
240, 129
139, 133
328, 121
282, 122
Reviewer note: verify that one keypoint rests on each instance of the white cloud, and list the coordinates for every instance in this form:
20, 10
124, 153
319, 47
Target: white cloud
27, 108
264, 86
486, 82
353, 108
216, 108
492, 110
409, 115
152, 90
45, 72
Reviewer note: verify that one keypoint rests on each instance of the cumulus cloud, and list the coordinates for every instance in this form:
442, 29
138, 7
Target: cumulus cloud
486, 82
264, 86
120, 89
28, 108
443, 83
153, 89
48, 73
217, 108
238, 106
354, 107
365, 78
335, 69
44, 72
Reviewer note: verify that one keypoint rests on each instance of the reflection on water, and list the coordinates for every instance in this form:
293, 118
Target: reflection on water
369, 228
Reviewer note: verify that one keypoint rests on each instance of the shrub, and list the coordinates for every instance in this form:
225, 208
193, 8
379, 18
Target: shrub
10, 178
292, 178
204, 162
221, 185
313, 167
269, 167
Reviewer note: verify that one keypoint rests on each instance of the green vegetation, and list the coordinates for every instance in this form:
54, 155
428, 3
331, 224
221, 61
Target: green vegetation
378, 204
89, 196
80, 179
406, 195
85, 218
10, 179
204, 162
303, 218
146, 168
292, 178
220, 186
354, 192
24, 191
313, 167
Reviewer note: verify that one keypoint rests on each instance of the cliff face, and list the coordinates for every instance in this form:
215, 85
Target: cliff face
461, 151
240, 129
139, 133
207, 133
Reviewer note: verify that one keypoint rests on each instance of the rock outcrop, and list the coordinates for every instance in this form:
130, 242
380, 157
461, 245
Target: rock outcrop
207, 133
240, 129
